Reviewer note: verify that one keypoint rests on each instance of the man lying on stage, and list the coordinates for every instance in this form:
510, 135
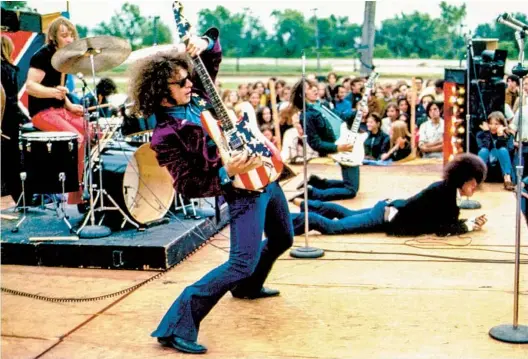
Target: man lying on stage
433, 210
165, 84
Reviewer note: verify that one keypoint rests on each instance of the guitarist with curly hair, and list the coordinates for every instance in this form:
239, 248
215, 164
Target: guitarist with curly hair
166, 85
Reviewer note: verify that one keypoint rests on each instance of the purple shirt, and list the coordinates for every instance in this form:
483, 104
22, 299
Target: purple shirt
183, 146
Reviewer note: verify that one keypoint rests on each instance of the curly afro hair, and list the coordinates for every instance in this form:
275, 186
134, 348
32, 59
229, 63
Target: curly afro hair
463, 168
150, 78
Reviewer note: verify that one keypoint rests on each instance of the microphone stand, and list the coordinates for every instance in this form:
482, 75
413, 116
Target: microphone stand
469, 203
516, 333
306, 251
94, 230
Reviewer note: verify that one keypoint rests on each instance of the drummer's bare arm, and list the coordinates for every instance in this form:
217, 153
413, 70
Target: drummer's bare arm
75, 109
36, 89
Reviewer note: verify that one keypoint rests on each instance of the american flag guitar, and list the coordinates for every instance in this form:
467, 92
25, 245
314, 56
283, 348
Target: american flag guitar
233, 135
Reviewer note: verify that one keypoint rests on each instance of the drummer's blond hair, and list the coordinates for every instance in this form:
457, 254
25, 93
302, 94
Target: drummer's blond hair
7, 49
53, 29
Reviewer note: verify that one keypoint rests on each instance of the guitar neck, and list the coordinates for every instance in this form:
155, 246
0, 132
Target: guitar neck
210, 89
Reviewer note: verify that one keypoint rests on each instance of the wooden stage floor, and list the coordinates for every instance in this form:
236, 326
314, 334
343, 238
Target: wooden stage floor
370, 296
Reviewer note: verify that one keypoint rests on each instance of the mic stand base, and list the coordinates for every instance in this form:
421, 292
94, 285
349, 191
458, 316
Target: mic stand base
510, 334
306, 252
94, 231
469, 204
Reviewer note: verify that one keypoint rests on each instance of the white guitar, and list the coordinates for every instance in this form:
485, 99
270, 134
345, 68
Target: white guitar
350, 135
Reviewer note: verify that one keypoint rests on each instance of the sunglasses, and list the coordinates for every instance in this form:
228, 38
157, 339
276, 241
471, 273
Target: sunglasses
181, 82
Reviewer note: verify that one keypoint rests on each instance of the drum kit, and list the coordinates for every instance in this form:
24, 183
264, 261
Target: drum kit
122, 179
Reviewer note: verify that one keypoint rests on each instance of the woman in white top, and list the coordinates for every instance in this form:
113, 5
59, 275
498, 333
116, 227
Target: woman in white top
432, 133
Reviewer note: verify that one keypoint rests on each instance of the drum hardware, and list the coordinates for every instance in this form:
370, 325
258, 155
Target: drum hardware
23, 176
96, 230
138, 184
86, 56
59, 208
186, 215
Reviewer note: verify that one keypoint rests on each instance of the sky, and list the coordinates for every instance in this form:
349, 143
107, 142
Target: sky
92, 12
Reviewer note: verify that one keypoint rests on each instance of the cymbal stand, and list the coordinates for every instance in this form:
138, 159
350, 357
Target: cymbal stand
97, 230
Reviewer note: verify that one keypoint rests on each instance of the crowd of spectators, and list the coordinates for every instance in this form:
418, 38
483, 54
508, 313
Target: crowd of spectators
386, 123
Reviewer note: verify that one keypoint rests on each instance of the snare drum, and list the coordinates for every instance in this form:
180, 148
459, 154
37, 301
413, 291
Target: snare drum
132, 176
45, 155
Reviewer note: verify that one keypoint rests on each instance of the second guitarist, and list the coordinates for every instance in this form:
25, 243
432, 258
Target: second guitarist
321, 133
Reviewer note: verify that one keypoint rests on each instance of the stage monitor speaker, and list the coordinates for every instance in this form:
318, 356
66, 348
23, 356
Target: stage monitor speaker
10, 22
480, 45
30, 21
493, 97
457, 76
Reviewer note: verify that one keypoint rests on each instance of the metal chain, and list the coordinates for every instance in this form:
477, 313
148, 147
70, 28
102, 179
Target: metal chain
101, 297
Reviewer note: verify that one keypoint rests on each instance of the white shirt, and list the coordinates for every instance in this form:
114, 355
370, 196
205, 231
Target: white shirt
430, 132
515, 124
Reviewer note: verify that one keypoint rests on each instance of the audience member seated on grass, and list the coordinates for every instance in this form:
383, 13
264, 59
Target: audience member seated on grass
377, 142
434, 210
514, 129
386, 97
343, 107
264, 116
392, 113
495, 145
400, 143
268, 132
432, 133
404, 106
421, 115
292, 143
230, 98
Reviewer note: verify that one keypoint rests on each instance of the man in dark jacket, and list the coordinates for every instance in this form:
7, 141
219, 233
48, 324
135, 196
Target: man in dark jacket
433, 210
163, 85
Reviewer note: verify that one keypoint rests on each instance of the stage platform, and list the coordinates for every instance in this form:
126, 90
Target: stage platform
157, 247
371, 296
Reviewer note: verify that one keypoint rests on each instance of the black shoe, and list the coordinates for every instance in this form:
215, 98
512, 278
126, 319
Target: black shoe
182, 345
263, 293
316, 181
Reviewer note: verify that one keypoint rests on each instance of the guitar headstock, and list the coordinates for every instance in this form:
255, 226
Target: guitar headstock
183, 26
371, 80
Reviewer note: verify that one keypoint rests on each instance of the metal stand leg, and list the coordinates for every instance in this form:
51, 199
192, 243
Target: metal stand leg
61, 208
23, 176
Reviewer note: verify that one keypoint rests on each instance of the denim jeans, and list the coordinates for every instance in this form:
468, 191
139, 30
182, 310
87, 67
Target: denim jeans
332, 218
330, 190
250, 259
502, 155
377, 162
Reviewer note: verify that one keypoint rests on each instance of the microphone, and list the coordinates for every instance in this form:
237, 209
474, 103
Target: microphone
510, 21
80, 76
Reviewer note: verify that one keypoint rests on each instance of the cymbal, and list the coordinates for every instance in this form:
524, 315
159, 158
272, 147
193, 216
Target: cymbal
108, 52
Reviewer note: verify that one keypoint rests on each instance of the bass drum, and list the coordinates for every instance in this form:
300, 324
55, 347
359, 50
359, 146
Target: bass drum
132, 176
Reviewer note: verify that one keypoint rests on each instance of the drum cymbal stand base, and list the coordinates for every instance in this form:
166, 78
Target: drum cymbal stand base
61, 211
93, 230
23, 176
194, 215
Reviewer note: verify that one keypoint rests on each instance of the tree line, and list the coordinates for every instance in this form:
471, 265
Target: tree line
412, 35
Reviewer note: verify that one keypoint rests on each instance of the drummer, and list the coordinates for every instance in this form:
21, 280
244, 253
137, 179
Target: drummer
49, 107
104, 88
